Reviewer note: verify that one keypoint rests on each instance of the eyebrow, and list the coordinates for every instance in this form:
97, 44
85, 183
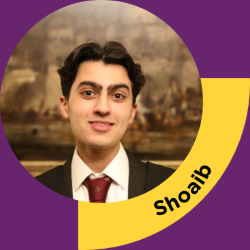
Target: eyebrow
99, 87
118, 86
91, 84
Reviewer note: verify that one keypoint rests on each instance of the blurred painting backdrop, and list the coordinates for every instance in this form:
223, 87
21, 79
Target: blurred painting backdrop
169, 106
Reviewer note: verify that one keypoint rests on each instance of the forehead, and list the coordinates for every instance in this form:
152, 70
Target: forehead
103, 74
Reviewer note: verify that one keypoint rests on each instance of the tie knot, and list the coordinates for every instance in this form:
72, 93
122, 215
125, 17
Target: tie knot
98, 188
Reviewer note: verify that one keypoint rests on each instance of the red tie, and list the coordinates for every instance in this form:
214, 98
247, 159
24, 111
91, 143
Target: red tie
98, 188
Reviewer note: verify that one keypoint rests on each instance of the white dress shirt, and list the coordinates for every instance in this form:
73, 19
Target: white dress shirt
118, 170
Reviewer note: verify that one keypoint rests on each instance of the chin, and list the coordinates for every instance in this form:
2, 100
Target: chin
100, 145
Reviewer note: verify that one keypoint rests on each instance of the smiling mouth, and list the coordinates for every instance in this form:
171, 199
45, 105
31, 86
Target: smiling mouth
101, 126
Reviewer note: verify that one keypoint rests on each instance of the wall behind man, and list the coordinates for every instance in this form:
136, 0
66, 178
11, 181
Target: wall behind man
169, 106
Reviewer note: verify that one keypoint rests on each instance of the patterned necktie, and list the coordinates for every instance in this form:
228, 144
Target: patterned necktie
98, 188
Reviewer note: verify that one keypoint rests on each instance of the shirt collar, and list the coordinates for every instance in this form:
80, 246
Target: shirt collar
118, 169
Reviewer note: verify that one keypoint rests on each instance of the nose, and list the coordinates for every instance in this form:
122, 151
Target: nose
102, 106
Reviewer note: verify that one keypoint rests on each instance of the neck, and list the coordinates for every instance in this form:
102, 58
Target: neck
95, 158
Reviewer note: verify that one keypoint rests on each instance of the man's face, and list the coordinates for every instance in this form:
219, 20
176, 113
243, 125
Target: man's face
100, 105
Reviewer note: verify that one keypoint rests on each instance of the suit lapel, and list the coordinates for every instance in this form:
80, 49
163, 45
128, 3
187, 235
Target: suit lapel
137, 176
67, 180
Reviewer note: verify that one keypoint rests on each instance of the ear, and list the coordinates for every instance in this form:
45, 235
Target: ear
133, 112
64, 107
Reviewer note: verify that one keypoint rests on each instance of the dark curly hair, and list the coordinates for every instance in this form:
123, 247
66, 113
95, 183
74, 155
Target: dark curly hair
111, 53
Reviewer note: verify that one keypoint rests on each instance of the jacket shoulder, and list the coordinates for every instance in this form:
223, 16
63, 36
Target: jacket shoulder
52, 179
157, 174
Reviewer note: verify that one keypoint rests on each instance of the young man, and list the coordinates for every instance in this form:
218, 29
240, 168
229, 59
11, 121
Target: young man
99, 86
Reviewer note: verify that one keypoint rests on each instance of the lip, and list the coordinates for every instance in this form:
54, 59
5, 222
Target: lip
101, 126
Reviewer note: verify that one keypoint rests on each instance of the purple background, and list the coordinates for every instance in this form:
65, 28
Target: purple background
217, 34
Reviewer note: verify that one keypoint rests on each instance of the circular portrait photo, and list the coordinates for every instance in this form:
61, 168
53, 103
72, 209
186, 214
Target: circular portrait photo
101, 101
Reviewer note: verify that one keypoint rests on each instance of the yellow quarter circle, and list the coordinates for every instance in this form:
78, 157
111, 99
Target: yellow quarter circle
225, 105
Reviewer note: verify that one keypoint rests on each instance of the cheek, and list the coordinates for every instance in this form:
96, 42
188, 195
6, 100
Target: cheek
79, 110
123, 114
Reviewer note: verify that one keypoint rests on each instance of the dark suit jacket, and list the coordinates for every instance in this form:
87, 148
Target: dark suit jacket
142, 177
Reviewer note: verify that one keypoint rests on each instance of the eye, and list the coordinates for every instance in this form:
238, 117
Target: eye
88, 93
118, 96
